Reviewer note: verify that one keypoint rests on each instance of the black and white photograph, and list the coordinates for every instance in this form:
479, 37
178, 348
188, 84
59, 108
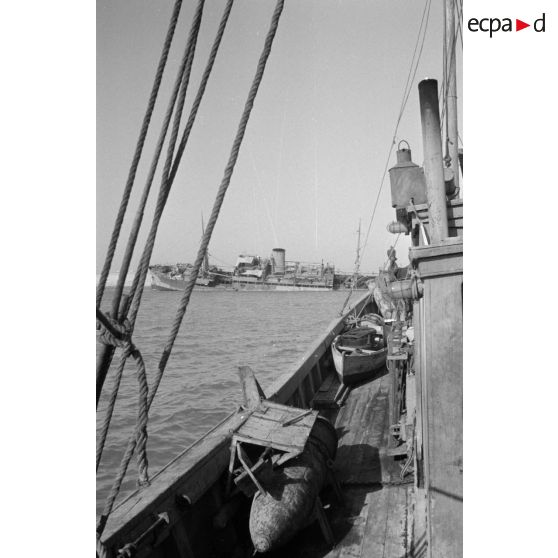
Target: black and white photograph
272, 195
279, 296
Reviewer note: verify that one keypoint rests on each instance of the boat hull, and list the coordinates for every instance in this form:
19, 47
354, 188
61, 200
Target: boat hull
355, 367
161, 282
270, 284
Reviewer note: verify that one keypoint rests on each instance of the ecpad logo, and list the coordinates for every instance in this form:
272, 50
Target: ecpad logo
494, 24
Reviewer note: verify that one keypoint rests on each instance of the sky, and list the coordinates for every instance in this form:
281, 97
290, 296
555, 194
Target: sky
316, 146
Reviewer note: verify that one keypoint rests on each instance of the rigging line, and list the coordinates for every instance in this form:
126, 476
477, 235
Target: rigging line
460, 22
224, 183
181, 77
459, 7
139, 279
105, 357
203, 247
316, 188
281, 146
427, 9
448, 76
167, 183
444, 97
137, 288
181, 84
137, 154
269, 216
408, 82
406, 93
213, 256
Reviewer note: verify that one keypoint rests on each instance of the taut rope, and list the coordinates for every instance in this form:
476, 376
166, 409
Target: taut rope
168, 180
139, 278
182, 80
181, 84
139, 148
142, 268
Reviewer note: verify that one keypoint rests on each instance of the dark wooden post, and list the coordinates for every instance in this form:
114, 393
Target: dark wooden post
433, 163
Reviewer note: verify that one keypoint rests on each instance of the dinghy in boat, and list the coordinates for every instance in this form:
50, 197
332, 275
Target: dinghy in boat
361, 350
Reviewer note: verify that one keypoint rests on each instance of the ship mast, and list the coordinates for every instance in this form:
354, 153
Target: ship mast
205, 263
451, 89
357, 260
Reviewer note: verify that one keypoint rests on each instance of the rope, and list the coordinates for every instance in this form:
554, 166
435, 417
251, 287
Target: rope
203, 247
181, 77
447, 74
141, 272
139, 148
141, 423
182, 80
222, 189
426, 14
406, 92
168, 179
112, 333
181, 83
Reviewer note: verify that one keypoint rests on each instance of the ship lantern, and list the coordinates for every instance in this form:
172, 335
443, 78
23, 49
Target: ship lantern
407, 180
278, 257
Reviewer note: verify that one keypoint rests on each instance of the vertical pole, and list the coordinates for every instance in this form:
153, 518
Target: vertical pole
452, 89
433, 164
357, 261
205, 266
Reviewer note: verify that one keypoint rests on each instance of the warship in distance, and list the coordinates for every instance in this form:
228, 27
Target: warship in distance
250, 273
278, 274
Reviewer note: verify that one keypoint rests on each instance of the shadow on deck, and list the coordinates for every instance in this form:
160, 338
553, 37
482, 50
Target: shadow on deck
375, 515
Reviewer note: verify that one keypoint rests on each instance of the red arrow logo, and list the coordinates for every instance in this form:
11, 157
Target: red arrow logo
519, 25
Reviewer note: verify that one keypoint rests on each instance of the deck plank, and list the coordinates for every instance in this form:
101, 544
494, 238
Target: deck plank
372, 523
363, 422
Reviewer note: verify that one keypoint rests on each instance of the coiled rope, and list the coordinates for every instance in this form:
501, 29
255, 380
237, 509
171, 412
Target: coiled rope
137, 154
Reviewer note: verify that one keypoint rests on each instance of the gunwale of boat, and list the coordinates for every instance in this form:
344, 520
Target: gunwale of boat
197, 470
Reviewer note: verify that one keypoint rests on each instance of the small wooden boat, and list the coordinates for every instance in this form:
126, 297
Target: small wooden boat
361, 350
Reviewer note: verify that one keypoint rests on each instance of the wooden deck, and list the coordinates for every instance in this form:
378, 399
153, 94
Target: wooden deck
375, 518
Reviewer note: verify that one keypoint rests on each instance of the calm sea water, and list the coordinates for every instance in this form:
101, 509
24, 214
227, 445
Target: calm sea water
222, 330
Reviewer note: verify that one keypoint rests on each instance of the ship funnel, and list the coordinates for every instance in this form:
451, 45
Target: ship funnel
278, 256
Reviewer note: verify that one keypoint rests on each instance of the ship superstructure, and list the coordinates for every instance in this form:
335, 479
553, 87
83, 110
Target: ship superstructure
276, 273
